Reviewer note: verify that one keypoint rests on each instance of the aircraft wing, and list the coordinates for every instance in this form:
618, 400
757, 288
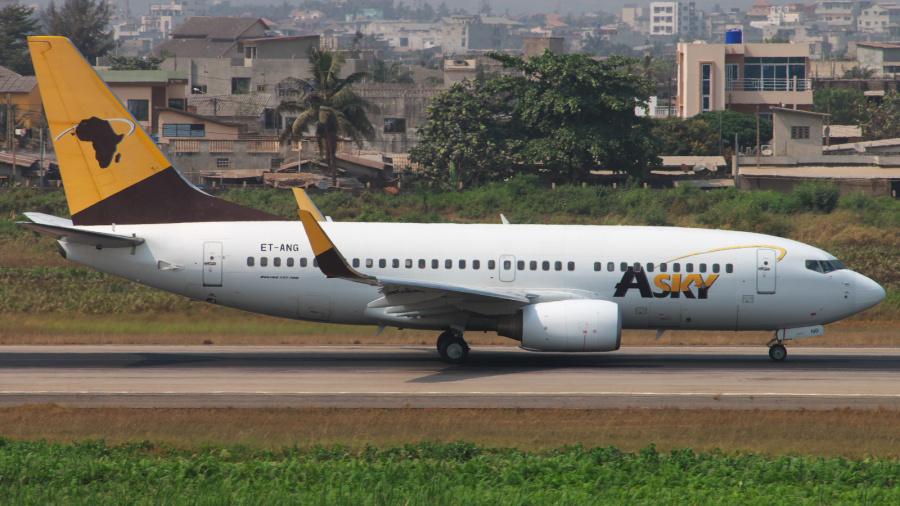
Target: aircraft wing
409, 297
62, 229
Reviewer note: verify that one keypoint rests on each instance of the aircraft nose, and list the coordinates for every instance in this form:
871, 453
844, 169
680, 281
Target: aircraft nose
868, 293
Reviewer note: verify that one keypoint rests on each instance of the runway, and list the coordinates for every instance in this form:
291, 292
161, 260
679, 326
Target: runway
383, 376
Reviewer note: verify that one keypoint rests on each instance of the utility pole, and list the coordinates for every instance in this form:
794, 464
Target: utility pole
757, 137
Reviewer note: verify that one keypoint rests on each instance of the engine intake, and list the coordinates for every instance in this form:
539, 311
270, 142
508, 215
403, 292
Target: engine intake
566, 325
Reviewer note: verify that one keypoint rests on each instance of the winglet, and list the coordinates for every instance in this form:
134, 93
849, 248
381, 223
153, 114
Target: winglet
306, 204
330, 260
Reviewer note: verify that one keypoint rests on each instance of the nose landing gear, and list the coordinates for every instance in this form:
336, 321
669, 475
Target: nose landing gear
452, 347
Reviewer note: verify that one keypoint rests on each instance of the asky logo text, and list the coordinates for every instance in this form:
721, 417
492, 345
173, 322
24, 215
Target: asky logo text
670, 285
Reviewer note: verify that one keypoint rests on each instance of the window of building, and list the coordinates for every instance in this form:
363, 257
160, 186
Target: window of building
799, 132
140, 109
198, 89
176, 103
774, 73
706, 87
222, 163
274, 163
395, 125
183, 130
240, 85
261, 88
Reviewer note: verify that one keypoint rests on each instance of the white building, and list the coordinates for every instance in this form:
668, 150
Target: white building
164, 18
878, 18
675, 18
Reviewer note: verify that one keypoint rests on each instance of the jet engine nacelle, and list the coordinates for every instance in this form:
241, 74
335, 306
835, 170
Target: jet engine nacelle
567, 325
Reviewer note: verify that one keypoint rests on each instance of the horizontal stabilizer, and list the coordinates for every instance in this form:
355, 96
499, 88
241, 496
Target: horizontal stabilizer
63, 230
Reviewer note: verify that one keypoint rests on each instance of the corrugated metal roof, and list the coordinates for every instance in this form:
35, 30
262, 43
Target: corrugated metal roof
215, 27
811, 171
843, 130
14, 83
194, 48
230, 106
143, 76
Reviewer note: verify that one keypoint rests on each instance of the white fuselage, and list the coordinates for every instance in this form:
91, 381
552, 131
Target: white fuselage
724, 281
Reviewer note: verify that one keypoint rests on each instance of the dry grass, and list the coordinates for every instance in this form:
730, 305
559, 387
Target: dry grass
846, 433
215, 325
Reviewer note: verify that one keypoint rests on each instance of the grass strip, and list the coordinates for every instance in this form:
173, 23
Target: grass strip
429, 473
840, 433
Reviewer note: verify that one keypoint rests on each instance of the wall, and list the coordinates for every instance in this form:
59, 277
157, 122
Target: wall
407, 101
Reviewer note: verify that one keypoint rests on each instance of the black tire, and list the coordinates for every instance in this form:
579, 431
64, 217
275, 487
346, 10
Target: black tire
443, 338
777, 352
453, 349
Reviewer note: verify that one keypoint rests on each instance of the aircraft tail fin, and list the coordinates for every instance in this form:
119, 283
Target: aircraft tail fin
112, 170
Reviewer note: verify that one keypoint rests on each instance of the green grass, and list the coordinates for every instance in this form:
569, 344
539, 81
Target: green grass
429, 473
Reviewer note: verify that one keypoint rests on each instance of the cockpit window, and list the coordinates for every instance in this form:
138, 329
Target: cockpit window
824, 266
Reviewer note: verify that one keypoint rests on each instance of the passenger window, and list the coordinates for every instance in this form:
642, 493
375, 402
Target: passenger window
598, 266
676, 267
290, 262
250, 261
532, 265
448, 264
395, 263
545, 265
557, 265
650, 267
729, 268
663, 267
623, 266
355, 262
369, 263
263, 261
507, 265
610, 266
492, 265
476, 264
520, 265
689, 267
715, 268
571, 266
435, 263
422, 263
303, 262
462, 264
702, 267
637, 267
316, 263
408, 263
276, 261
382, 263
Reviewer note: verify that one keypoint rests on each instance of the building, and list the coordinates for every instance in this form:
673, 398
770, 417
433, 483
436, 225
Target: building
797, 133
883, 57
838, 14
742, 77
23, 94
665, 18
144, 92
881, 17
164, 18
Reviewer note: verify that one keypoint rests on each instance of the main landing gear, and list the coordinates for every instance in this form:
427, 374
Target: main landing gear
777, 351
452, 347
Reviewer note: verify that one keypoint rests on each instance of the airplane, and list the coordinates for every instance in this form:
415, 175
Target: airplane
553, 288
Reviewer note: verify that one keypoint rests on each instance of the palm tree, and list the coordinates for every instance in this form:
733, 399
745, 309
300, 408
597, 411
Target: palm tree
327, 104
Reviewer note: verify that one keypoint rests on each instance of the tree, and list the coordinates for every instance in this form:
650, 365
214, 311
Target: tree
845, 105
84, 22
858, 72
573, 113
465, 137
327, 104
16, 24
679, 137
729, 123
882, 121
381, 73
136, 62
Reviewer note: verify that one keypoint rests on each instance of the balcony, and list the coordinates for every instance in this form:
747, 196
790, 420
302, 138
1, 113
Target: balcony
768, 84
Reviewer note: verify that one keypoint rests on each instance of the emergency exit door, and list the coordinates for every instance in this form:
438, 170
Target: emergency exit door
212, 264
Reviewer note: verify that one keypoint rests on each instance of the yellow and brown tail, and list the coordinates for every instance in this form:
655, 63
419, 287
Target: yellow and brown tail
111, 169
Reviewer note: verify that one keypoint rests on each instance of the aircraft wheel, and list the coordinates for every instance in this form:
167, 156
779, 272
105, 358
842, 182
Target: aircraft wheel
453, 349
777, 352
443, 339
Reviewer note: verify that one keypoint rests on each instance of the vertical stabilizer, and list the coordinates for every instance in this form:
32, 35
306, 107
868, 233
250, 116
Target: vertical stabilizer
112, 170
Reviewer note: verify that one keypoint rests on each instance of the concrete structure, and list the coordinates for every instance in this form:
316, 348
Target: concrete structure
164, 18
838, 14
884, 57
144, 92
23, 94
797, 133
880, 17
665, 18
401, 111
535, 46
456, 70
465, 33
742, 77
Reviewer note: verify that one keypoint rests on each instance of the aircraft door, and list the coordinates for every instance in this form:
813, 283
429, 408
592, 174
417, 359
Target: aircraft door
766, 261
507, 268
212, 264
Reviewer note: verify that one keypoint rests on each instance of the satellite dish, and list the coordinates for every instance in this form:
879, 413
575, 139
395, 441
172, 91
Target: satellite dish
766, 150
858, 148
